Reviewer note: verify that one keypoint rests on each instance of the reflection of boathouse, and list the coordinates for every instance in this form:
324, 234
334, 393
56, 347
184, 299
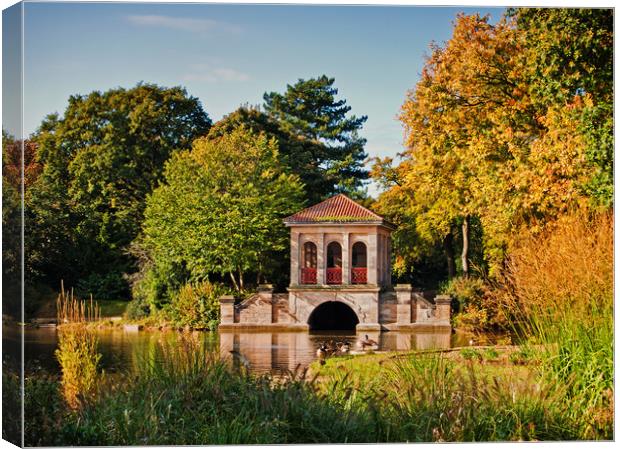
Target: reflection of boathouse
340, 278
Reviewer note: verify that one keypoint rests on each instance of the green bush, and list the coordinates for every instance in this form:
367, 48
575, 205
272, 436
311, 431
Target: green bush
137, 309
476, 305
466, 291
197, 305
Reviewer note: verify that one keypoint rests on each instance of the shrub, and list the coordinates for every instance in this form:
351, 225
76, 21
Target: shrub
137, 309
197, 305
466, 291
78, 358
476, 305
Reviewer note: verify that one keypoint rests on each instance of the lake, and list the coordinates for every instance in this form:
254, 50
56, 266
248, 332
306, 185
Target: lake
261, 352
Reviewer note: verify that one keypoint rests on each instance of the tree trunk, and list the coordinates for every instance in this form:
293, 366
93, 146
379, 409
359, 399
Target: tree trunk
234, 281
464, 254
449, 250
240, 279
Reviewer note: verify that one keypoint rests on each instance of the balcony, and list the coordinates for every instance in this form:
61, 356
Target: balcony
358, 276
334, 276
308, 275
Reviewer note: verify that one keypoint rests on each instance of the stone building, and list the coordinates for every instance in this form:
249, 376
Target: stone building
340, 278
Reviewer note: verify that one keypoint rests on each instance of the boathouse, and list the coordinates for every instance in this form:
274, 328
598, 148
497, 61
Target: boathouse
340, 278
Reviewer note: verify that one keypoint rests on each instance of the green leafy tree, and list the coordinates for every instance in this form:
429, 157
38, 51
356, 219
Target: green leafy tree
327, 150
219, 212
101, 159
568, 53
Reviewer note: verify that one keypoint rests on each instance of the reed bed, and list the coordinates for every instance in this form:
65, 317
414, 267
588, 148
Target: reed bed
71, 310
559, 289
77, 348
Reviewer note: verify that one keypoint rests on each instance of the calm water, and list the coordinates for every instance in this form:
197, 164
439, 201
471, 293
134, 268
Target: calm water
275, 352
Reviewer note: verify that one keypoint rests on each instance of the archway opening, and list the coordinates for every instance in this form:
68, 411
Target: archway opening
333, 316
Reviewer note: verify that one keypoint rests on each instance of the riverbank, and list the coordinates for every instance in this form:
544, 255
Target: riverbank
462, 394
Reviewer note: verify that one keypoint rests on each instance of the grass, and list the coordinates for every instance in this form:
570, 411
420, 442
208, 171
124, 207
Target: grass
191, 397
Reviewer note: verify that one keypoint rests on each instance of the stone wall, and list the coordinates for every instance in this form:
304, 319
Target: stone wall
397, 309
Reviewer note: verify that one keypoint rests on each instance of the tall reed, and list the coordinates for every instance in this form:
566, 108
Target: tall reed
559, 287
70, 309
77, 348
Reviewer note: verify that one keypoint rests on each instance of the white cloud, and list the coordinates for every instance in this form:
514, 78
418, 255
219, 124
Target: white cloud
209, 74
183, 23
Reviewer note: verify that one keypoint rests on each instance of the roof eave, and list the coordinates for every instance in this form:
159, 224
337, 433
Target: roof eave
384, 223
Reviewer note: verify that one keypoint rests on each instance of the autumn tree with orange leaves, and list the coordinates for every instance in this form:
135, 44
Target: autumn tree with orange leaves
494, 140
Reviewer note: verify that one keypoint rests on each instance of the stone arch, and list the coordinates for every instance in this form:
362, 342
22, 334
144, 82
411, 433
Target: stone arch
333, 315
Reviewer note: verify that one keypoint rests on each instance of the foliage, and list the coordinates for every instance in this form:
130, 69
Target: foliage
569, 52
327, 147
78, 359
477, 308
218, 212
100, 160
470, 354
197, 305
507, 126
467, 291
14, 152
490, 354
137, 308
559, 286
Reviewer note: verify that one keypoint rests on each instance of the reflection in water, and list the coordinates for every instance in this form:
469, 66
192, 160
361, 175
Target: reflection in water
280, 352
275, 352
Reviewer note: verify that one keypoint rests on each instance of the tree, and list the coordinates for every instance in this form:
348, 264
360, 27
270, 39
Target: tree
100, 161
16, 178
327, 150
484, 146
219, 212
569, 53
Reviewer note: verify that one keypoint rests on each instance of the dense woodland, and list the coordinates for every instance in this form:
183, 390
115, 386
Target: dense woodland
135, 193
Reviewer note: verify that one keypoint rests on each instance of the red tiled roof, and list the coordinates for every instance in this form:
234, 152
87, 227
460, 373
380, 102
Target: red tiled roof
338, 208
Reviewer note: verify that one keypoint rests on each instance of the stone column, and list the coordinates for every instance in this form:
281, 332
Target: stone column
227, 309
320, 260
442, 312
372, 258
294, 258
403, 303
380, 259
388, 261
346, 259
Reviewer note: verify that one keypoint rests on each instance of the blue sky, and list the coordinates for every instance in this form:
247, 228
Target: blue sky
228, 55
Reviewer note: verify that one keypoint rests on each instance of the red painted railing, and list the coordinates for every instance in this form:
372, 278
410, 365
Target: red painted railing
308, 275
358, 276
334, 275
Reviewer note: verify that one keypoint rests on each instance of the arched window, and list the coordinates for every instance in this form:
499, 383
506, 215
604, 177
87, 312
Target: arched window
358, 258
358, 264
308, 268
333, 273
309, 255
334, 255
